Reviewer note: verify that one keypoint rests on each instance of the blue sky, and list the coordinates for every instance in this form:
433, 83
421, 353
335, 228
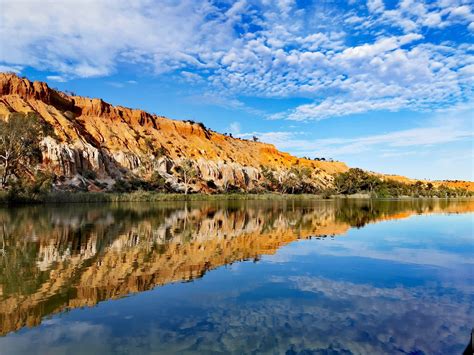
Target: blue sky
382, 85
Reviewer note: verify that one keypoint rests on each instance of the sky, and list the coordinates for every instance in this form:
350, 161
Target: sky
382, 85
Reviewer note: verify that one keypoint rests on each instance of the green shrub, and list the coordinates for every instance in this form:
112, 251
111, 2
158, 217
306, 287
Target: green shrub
121, 185
157, 182
89, 174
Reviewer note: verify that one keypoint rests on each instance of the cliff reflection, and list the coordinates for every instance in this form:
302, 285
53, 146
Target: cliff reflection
58, 258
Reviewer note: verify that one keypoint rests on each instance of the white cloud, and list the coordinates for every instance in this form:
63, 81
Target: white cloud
11, 68
339, 107
234, 128
57, 78
375, 5
432, 20
380, 47
192, 77
415, 137
461, 11
75, 37
385, 76
449, 126
222, 100
257, 48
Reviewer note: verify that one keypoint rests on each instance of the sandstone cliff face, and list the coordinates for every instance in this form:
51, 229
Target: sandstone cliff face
114, 141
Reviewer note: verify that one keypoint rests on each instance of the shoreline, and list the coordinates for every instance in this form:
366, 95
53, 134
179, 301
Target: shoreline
147, 196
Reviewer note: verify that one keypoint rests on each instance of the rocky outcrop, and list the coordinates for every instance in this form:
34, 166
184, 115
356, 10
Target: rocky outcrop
114, 141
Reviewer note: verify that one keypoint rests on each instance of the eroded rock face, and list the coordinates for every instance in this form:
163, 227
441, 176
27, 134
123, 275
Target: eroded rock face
114, 141
71, 159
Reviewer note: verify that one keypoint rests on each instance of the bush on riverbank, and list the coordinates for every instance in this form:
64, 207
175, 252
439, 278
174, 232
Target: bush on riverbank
147, 196
354, 183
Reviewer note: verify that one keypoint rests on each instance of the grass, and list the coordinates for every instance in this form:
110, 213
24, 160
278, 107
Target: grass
142, 196
149, 196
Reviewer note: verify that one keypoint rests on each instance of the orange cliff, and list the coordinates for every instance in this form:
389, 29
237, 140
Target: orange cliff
113, 140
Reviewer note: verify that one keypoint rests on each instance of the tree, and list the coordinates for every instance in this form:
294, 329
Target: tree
157, 181
295, 180
357, 180
289, 181
20, 136
187, 172
303, 183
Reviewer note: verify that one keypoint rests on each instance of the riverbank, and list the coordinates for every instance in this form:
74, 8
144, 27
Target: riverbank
142, 196
147, 196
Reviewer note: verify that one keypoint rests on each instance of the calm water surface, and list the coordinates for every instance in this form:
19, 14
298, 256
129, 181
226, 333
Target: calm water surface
296, 277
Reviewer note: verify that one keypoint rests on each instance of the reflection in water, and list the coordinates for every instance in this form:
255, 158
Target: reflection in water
58, 258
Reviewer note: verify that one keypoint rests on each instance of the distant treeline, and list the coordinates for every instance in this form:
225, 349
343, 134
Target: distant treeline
358, 181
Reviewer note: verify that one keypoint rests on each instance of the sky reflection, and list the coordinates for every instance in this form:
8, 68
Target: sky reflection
399, 286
